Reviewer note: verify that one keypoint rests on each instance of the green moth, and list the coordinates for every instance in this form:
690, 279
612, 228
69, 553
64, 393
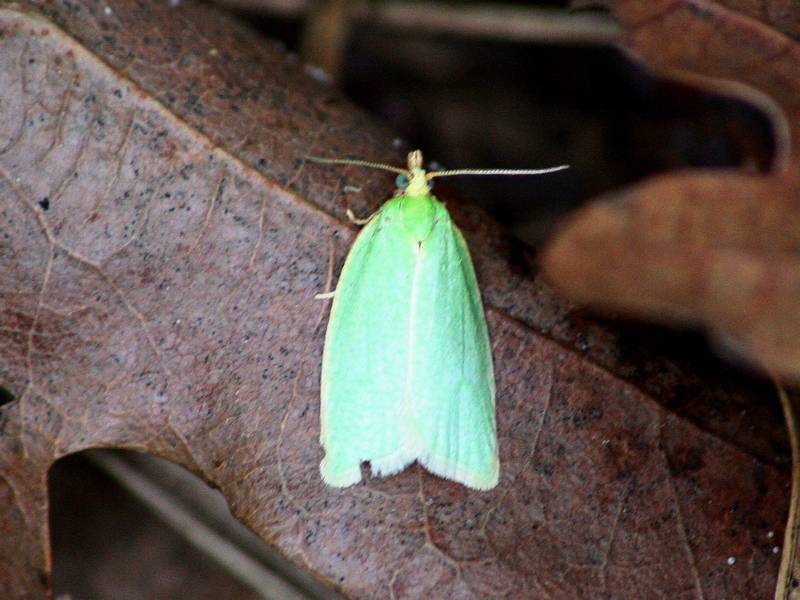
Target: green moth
407, 366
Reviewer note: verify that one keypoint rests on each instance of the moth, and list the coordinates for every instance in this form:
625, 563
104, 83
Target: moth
407, 369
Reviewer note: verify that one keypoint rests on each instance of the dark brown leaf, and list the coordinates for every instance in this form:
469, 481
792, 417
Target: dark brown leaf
158, 279
717, 248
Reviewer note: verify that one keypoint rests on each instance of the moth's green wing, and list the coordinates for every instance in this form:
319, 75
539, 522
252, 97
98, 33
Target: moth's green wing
365, 355
451, 393
407, 368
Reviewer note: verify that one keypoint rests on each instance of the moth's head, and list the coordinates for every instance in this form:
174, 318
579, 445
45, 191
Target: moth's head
413, 182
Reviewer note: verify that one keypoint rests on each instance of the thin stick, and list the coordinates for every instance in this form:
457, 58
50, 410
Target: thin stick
790, 563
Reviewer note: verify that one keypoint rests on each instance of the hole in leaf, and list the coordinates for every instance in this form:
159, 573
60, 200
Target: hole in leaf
6, 397
125, 524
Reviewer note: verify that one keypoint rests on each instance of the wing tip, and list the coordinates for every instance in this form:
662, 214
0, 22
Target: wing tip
338, 476
477, 479
347, 475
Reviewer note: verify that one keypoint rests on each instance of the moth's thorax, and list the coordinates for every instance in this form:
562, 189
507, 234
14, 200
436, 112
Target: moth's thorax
419, 214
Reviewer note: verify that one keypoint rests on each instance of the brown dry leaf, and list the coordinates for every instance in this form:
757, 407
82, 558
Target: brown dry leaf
717, 248
157, 293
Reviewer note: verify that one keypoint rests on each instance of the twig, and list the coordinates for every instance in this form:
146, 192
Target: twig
503, 22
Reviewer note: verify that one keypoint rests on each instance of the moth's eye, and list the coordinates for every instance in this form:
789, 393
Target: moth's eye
402, 181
